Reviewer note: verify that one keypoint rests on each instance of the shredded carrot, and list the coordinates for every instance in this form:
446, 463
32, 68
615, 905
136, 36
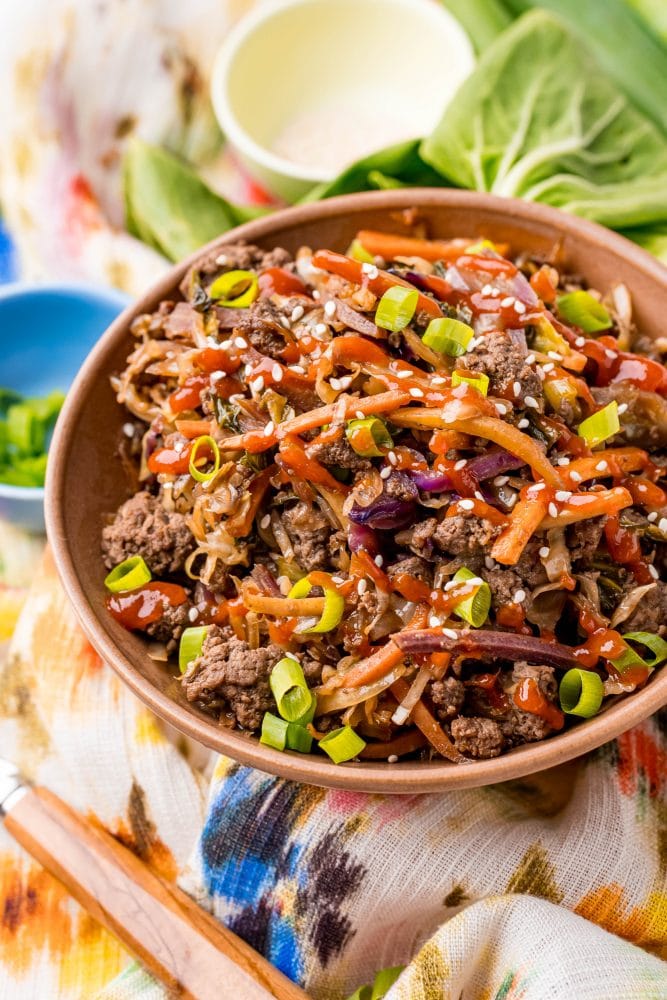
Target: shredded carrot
390, 246
194, 428
292, 456
283, 607
426, 722
352, 270
398, 747
375, 666
524, 520
612, 462
581, 506
239, 525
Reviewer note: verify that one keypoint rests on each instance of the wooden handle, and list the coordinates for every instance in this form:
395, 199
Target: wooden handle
178, 942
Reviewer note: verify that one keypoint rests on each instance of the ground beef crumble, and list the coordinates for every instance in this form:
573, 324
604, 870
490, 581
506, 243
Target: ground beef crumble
496, 356
309, 533
143, 527
478, 738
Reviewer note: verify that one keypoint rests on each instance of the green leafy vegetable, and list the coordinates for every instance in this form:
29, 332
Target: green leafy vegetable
651, 238
482, 20
169, 207
396, 165
24, 436
538, 120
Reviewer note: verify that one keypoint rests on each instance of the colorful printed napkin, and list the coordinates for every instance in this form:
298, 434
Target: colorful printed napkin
553, 886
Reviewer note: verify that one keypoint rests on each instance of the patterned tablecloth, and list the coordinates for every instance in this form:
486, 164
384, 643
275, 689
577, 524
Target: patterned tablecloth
553, 886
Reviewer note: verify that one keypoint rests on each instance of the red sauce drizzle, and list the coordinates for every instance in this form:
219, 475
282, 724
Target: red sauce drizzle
135, 609
188, 397
278, 281
529, 698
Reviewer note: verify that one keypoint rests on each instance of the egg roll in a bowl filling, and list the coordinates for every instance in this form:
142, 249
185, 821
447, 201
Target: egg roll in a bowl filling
403, 502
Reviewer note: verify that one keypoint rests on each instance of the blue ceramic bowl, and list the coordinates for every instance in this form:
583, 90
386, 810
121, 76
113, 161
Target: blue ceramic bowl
46, 332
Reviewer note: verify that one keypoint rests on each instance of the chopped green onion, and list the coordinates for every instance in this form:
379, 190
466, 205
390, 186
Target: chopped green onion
369, 437
128, 575
384, 981
480, 246
396, 308
298, 738
581, 309
581, 693
601, 425
479, 382
448, 336
196, 473
190, 647
334, 606
630, 658
358, 252
235, 289
274, 731
290, 689
342, 744
475, 609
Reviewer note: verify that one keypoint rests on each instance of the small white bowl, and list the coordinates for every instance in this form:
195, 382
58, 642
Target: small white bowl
302, 88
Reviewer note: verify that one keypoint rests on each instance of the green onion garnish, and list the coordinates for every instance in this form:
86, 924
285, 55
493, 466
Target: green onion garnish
235, 289
274, 731
195, 472
479, 382
290, 689
358, 252
581, 693
369, 437
448, 336
396, 308
342, 744
298, 738
128, 575
190, 647
601, 425
583, 311
630, 658
334, 606
475, 609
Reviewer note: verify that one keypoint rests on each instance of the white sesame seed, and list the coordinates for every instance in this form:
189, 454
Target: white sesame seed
653, 516
385, 472
475, 581
662, 525
404, 373
536, 487
501, 480
641, 488
370, 269
297, 313
434, 595
179, 446
478, 495
330, 308
548, 367
321, 329
496, 293
553, 510
544, 551
392, 759
285, 323
519, 307
338, 580
335, 384
433, 621
512, 500
379, 561
654, 573
359, 414
466, 504
241, 343
523, 423
217, 377
610, 354
501, 409
622, 407
507, 301
276, 373
575, 476
193, 614
269, 429
451, 633
564, 460
362, 587
519, 596
540, 374
530, 359
257, 384
580, 342
316, 293
472, 344
562, 495
489, 562
225, 345
602, 466
128, 430
532, 402
416, 393
461, 464
554, 355
438, 380
487, 290
450, 584
265, 522
392, 457
298, 369
516, 387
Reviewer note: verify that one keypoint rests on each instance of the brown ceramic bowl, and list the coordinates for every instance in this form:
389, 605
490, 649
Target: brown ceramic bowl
85, 482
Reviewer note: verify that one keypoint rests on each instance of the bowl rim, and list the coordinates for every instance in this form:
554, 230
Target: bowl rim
229, 50
73, 290
406, 777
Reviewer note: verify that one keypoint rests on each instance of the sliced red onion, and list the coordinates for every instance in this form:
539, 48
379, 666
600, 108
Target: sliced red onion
430, 481
357, 321
394, 508
265, 580
359, 536
518, 338
229, 318
485, 644
493, 463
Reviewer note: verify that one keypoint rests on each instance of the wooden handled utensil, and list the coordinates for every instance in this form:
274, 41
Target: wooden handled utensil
178, 942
